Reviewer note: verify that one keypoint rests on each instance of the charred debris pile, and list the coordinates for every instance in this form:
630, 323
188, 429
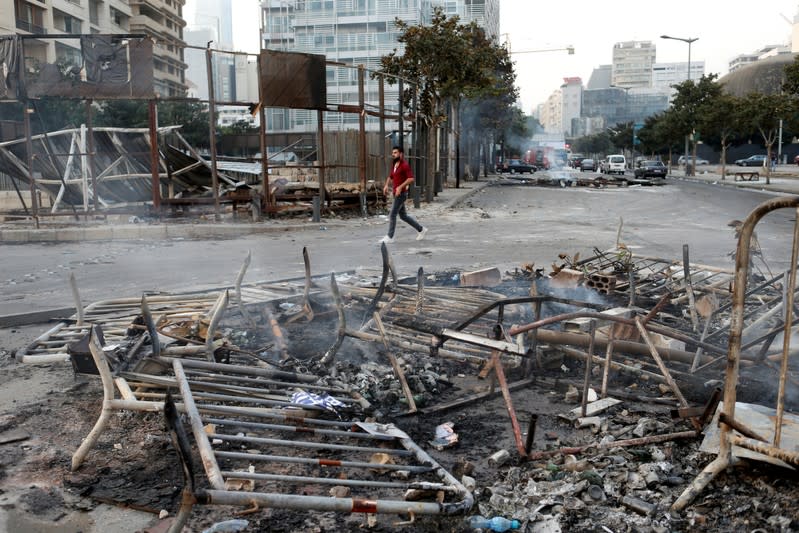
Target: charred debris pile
598, 380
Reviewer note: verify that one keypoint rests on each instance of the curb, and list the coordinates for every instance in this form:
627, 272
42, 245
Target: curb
458, 200
149, 232
752, 186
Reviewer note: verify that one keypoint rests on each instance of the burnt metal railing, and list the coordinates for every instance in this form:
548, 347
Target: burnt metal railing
772, 446
286, 451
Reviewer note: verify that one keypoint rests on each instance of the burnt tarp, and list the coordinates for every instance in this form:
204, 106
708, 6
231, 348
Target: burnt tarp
9, 54
111, 67
292, 79
120, 166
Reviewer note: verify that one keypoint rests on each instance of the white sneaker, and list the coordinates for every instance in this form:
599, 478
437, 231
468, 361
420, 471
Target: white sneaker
421, 234
387, 240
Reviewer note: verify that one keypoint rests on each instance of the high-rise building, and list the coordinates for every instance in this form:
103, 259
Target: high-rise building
632, 64
28, 17
212, 25
354, 32
163, 21
664, 75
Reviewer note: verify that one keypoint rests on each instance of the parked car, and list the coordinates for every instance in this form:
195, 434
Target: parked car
757, 160
516, 166
614, 164
574, 160
587, 164
650, 169
699, 160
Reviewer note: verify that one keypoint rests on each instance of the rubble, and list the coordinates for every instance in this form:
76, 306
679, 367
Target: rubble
604, 390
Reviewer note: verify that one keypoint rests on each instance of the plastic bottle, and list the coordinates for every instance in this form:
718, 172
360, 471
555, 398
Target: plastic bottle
228, 526
497, 523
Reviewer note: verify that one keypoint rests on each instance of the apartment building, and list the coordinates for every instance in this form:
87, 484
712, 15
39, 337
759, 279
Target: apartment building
352, 32
632, 64
160, 19
163, 21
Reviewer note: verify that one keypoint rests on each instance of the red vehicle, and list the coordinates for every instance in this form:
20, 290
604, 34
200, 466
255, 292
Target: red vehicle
539, 157
545, 157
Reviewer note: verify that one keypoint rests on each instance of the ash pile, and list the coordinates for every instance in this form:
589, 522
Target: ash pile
587, 396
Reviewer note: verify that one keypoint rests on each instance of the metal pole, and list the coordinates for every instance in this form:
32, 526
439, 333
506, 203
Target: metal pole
401, 125
457, 133
90, 155
265, 197
29, 149
786, 341
382, 98
320, 127
212, 127
417, 162
156, 182
362, 129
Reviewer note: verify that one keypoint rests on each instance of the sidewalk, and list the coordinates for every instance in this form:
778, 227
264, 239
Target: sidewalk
784, 180
59, 230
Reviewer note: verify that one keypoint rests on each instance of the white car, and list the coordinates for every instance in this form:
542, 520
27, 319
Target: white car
614, 164
699, 160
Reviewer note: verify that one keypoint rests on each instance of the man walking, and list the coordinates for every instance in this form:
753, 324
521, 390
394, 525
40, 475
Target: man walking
400, 180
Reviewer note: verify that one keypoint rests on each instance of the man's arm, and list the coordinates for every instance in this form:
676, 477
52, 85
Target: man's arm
405, 185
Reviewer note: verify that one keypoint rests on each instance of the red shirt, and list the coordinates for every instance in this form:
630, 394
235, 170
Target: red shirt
400, 172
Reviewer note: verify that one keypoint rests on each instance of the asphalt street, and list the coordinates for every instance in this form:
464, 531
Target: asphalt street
504, 226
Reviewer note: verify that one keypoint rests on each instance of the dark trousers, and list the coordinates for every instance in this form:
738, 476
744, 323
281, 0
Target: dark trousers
398, 208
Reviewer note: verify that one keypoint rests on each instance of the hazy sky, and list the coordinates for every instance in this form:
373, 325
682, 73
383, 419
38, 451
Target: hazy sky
725, 29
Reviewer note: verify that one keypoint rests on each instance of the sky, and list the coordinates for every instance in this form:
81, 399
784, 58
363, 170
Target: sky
592, 27
725, 30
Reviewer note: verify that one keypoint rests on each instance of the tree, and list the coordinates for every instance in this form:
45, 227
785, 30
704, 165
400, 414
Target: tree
690, 100
446, 61
660, 134
489, 114
192, 116
761, 113
621, 136
723, 122
598, 143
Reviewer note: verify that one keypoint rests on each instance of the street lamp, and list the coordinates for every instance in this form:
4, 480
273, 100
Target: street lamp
690, 41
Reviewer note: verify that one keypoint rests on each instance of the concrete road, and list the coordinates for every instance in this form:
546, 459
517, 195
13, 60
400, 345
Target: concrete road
504, 226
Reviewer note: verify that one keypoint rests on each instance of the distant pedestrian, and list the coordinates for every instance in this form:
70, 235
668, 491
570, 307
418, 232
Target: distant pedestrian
773, 163
400, 179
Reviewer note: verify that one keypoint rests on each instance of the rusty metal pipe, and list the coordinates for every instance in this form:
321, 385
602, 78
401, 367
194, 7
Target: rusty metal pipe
629, 321
665, 371
772, 451
395, 365
742, 256
587, 377
578, 339
741, 428
652, 439
503, 384
786, 340
237, 285
577, 354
